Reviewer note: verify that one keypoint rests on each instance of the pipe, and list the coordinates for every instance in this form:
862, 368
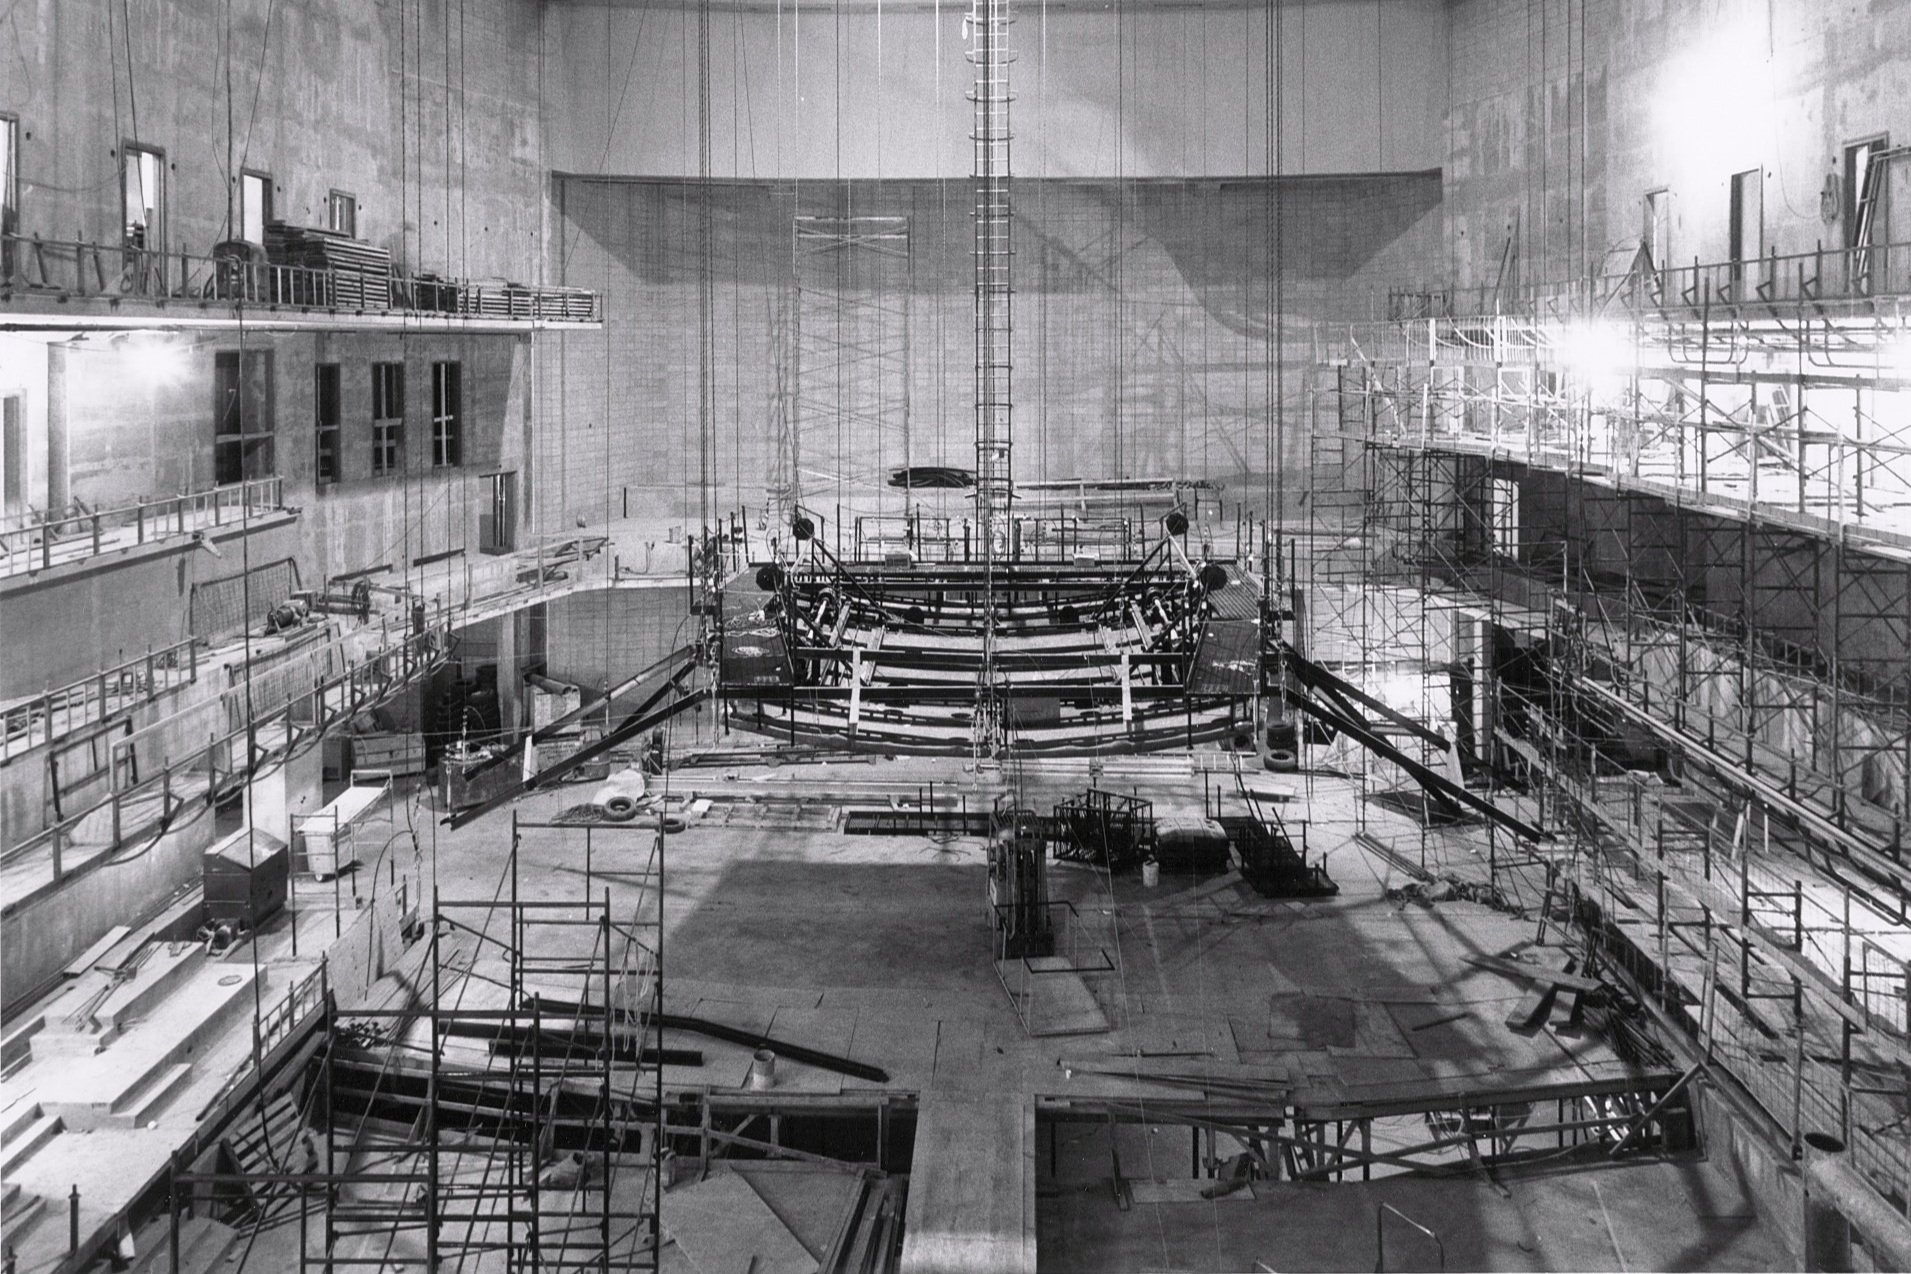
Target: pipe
550, 685
1839, 1202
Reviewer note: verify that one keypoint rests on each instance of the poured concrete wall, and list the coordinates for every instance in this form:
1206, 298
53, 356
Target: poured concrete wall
1143, 321
426, 112
597, 639
1563, 114
863, 90
46, 932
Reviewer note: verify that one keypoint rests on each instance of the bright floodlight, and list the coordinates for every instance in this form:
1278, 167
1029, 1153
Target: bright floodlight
1594, 350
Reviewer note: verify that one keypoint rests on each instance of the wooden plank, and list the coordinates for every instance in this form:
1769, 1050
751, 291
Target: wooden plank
92, 955
723, 1224
1552, 977
1532, 1008
1184, 1190
961, 1219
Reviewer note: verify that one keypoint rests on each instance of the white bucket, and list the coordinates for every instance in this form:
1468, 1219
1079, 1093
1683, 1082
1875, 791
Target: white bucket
763, 1069
1150, 874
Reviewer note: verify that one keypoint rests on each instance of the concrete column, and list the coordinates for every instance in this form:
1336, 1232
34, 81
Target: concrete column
510, 677
1472, 645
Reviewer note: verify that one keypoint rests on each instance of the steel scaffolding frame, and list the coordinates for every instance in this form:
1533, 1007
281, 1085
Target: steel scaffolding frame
1714, 513
848, 358
478, 1115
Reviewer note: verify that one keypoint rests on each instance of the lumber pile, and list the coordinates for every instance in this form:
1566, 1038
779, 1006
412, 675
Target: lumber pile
359, 273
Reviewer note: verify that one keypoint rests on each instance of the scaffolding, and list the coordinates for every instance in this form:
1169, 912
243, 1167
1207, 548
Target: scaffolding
848, 364
1655, 528
498, 1109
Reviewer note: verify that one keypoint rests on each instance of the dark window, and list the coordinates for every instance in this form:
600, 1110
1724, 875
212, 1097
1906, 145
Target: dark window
9, 191
497, 525
447, 414
388, 417
341, 212
241, 415
325, 421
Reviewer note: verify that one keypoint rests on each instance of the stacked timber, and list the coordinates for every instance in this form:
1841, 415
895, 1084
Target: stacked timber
360, 272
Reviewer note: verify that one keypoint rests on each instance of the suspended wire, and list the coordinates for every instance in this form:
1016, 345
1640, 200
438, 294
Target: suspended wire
1119, 263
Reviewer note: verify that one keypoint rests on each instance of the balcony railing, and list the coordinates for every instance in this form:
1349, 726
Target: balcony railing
61, 712
66, 270
1822, 277
43, 542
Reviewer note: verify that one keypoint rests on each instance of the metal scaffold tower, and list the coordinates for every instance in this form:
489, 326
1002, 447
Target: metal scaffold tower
495, 1105
848, 364
988, 23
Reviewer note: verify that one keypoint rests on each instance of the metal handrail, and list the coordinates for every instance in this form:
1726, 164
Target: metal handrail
36, 545
85, 701
1823, 274
76, 268
128, 808
1818, 276
1380, 1236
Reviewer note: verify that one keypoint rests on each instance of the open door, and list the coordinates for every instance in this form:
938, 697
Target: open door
497, 525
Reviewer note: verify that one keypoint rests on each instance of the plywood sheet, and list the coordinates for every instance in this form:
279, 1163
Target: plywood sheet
1311, 1021
811, 1201
723, 1224
902, 1043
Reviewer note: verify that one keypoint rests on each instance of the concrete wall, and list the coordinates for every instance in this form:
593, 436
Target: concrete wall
43, 934
427, 112
863, 90
1563, 114
1143, 313
69, 624
136, 436
597, 639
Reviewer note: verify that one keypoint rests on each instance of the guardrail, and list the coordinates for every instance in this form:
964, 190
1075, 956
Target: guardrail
150, 802
1821, 275
47, 541
57, 713
75, 268
1030, 539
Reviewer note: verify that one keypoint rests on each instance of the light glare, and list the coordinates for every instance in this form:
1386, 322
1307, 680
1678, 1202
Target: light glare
156, 362
1597, 351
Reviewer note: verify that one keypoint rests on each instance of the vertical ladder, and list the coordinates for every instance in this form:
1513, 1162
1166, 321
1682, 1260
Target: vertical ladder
988, 22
